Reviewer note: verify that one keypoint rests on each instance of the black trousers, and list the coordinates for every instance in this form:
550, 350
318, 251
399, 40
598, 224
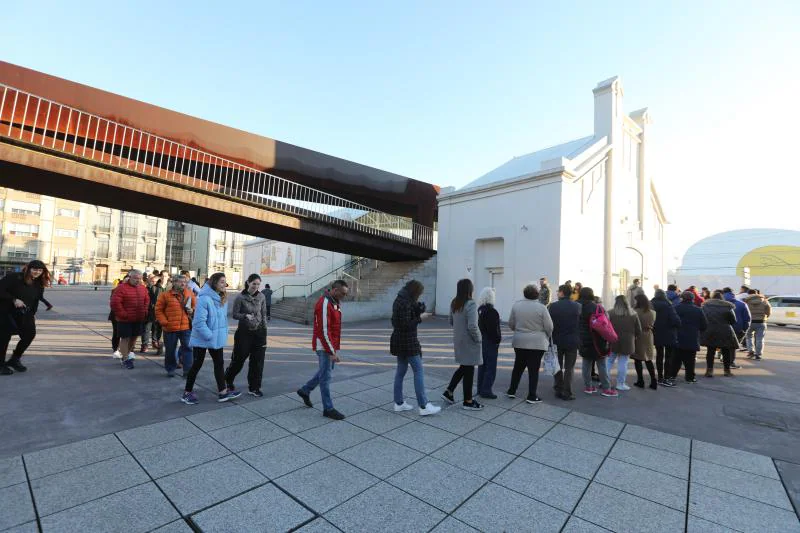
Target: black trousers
566, 360
26, 329
252, 344
467, 372
663, 358
114, 336
726, 357
685, 358
199, 354
532, 360
269, 311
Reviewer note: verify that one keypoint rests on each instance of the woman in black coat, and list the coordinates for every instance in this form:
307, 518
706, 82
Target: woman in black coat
665, 332
593, 347
20, 293
407, 312
721, 317
489, 324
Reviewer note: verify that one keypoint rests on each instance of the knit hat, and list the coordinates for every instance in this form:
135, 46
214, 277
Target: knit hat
687, 296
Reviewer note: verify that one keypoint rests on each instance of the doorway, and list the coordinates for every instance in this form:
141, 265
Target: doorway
101, 275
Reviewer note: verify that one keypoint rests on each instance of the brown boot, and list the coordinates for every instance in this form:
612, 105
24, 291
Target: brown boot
709, 372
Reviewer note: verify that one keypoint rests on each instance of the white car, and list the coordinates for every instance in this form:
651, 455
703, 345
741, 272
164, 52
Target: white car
785, 310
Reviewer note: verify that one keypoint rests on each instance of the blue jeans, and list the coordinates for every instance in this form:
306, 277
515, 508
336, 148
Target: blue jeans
171, 339
622, 366
756, 330
488, 370
419, 380
323, 379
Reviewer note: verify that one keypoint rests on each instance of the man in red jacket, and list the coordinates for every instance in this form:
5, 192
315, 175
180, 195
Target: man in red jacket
326, 339
130, 303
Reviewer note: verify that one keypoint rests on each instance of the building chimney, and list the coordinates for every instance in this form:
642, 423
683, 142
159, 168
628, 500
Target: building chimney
608, 109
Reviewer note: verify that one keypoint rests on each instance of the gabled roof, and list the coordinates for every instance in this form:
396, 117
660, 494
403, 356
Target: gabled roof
529, 164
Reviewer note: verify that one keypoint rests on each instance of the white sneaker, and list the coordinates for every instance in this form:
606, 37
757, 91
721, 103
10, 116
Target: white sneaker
131, 355
404, 407
116, 355
623, 387
430, 409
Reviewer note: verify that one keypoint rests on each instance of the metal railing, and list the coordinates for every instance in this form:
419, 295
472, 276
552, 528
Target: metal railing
35, 120
349, 271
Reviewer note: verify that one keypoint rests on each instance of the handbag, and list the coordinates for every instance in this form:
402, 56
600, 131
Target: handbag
551, 365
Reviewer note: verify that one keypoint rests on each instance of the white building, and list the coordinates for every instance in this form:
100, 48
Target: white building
585, 210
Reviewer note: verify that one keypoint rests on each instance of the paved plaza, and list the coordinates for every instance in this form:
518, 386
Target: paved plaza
91, 447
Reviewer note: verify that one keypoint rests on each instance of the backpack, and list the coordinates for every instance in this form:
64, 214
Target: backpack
600, 324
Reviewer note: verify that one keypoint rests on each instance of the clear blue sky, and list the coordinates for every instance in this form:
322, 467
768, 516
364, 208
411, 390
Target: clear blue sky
446, 91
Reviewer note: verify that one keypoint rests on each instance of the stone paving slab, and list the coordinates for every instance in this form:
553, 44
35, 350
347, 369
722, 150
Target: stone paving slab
160, 433
280, 457
248, 434
502, 438
378, 421
336, 437
12, 472
266, 509
605, 426
543, 410
373, 397
498, 509
80, 485
790, 475
135, 510
739, 513
653, 458
210, 483
299, 419
580, 438
698, 525
745, 484
576, 525
376, 380
17, 506
30, 527
220, 418
625, 513
474, 457
453, 422
648, 484
175, 456
380, 457
421, 437
656, 439
524, 422
539, 482
487, 413
451, 525
179, 526
68, 456
741, 460
272, 406
437, 483
350, 386
564, 457
320, 525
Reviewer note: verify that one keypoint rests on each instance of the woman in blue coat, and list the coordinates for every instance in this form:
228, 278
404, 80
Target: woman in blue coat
210, 332
665, 332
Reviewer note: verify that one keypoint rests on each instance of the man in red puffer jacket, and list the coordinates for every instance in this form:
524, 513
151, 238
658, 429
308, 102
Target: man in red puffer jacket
130, 303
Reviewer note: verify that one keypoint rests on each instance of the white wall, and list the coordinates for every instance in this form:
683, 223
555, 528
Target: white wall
313, 263
499, 212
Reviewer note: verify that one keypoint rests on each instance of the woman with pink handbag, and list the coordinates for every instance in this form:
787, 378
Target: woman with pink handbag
594, 348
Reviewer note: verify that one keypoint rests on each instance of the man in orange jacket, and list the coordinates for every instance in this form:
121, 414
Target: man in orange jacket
174, 311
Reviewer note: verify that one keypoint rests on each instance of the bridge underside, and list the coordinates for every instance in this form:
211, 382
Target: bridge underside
44, 173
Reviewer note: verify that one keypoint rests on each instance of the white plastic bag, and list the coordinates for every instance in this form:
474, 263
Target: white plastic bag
551, 365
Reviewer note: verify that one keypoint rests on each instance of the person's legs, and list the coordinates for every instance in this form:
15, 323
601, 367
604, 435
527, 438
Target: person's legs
27, 332
602, 369
660, 350
520, 362
326, 369
146, 334
199, 354
255, 369
533, 362
219, 368
185, 351
419, 380
5, 339
126, 345
689, 363
760, 332
727, 356
558, 378
313, 382
469, 375
457, 375
241, 350
637, 364
567, 370
652, 371
609, 363
399, 376
269, 312
748, 338
170, 343
586, 371
114, 336
622, 369
710, 353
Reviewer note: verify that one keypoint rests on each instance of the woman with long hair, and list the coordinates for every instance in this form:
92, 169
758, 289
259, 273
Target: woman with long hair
407, 313
20, 293
644, 342
489, 324
250, 339
532, 326
626, 324
210, 333
466, 343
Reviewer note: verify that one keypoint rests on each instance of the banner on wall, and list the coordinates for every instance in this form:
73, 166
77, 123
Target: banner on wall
278, 258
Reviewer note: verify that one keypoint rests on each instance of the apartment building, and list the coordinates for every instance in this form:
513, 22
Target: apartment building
208, 250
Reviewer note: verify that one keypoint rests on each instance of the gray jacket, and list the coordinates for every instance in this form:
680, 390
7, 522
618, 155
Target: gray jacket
268, 295
467, 335
246, 304
532, 325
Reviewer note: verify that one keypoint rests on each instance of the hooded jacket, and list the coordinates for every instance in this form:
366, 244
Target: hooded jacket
406, 316
759, 308
674, 297
741, 310
721, 318
210, 323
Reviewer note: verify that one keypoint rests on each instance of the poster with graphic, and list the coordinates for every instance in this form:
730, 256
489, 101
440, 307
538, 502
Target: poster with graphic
278, 258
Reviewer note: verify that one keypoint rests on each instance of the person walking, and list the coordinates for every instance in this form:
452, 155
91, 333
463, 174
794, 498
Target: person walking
20, 293
593, 347
533, 328
407, 313
665, 333
148, 282
644, 342
130, 303
326, 341
151, 336
760, 310
467, 342
693, 323
566, 317
174, 311
491, 337
267, 292
156, 330
544, 291
250, 339
210, 333
719, 335
742, 323
116, 354
626, 324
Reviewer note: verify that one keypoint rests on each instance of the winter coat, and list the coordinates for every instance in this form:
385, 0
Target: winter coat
267, 296
644, 342
741, 310
154, 291
721, 317
590, 341
665, 328
210, 323
566, 316
628, 330
255, 305
633, 290
489, 323
171, 310
406, 316
759, 308
13, 287
532, 326
327, 324
698, 300
673, 297
466, 335
544, 294
693, 322
129, 303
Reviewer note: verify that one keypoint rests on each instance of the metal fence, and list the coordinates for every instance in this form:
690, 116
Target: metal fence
31, 119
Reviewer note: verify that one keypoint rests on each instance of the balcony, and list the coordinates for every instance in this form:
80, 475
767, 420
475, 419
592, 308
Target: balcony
102, 228
220, 243
152, 234
129, 232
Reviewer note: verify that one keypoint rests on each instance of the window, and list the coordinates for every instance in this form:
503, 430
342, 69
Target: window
102, 247
24, 230
65, 252
129, 224
791, 302
221, 256
127, 249
237, 257
150, 253
73, 213
152, 226
25, 208
187, 256
70, 233
21, 253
